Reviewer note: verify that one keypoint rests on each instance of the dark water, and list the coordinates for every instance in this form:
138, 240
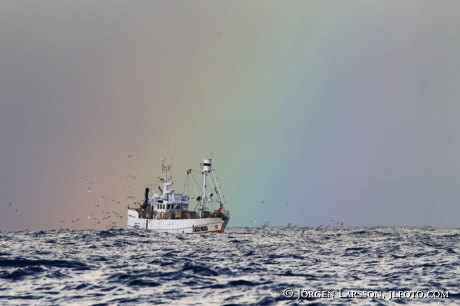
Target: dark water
244, 266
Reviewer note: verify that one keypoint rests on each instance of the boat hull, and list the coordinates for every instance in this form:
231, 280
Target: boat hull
183, 226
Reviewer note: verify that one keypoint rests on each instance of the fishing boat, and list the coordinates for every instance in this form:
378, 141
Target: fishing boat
172, 212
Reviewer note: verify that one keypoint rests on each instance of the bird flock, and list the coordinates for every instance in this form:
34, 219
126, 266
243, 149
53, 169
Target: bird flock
17, 211
104, 214
101, 214
334, 222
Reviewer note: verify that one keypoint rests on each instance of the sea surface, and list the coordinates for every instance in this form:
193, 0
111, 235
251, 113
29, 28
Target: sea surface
243, 266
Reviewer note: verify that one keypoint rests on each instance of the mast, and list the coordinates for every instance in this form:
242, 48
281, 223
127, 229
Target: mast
164, 169
205, 167
166, 182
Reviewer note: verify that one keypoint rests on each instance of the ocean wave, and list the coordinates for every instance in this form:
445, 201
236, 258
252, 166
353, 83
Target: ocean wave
244, 266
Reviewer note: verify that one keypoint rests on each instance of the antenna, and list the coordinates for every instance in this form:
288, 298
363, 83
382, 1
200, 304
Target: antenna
172, 143
172, 150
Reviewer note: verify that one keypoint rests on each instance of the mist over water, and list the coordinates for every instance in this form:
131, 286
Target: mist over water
244, 266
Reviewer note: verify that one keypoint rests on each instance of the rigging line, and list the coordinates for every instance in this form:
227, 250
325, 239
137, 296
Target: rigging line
185, 183
193, 184
212, 185
191, 175
187, 188
219, 188
210, 203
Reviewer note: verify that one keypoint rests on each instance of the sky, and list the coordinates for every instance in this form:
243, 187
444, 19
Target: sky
324, 110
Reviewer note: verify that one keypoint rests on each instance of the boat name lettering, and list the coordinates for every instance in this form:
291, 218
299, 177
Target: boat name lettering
200, 228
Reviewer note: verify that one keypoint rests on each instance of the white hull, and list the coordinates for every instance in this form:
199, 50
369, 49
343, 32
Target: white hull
203, 225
